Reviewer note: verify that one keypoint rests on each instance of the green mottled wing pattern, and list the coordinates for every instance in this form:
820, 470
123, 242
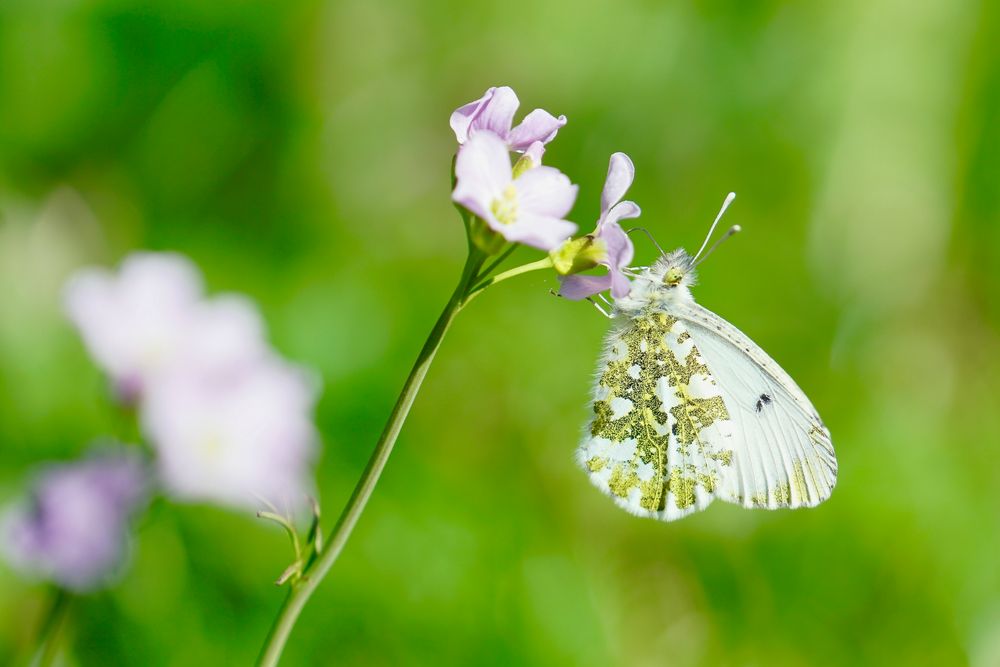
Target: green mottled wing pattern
658, 441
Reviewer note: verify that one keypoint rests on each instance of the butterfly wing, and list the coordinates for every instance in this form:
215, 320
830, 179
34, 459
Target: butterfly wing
687, 409
781, 451
659, 441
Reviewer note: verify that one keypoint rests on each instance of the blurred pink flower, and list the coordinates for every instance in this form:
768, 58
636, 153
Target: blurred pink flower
73, 527
494, 111
528, 209
150, 318
618, 248
234, 438
229, 421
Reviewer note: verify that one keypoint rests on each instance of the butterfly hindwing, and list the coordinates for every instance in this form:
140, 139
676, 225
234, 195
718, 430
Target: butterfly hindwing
782, 454
659, 441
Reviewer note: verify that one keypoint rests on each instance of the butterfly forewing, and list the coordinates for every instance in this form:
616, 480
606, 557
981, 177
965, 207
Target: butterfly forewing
782, 454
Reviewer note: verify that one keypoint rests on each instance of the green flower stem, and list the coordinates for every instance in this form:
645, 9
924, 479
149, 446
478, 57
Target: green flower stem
304, 587
497, 262
469, 286
49, 633
544, 263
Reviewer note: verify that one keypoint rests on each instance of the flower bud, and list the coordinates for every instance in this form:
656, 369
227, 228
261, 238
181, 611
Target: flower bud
576, 255
523, 164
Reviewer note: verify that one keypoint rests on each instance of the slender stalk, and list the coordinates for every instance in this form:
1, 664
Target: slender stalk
471, 284
497, 262
48, 634
544, 263
303, 589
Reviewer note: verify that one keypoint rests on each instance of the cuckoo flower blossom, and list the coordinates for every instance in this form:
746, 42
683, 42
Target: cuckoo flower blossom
150, 317
229, 421
494, 111
614, 249
234, 438
528, 209
73, 527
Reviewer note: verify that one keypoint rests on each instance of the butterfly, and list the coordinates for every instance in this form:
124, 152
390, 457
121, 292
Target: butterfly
688, 409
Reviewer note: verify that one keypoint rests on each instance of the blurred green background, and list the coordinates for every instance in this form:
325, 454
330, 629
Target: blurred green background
299, 153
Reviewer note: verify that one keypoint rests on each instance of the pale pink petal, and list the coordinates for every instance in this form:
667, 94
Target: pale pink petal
133, 323
577, 287
228, 333
167, 279
535, 152
621, 173
482, 170
620, 285
545, 191
619, 245
538, 231
88, 297
539, 125
235, 438
620, 211
498, 114
463, 116
620, 253
72, 528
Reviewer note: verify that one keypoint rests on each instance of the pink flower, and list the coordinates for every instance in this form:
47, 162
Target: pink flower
73, 527
494, 112
234, 438
528, 209
151, 317
615, 249
229, 421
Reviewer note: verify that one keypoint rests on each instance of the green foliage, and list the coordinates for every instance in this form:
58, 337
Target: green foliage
299, 153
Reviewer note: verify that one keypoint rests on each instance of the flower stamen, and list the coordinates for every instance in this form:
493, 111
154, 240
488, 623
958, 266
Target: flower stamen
505, 207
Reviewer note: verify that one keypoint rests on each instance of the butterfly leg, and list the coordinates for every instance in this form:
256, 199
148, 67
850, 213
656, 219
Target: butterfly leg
595, 304
599, 309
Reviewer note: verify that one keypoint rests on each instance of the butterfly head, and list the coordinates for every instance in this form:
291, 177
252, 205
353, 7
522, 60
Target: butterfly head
666, 281
673, 276
669, 279
674, 271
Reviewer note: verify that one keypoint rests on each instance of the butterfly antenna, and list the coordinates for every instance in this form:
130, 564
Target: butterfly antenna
732, 230
646, 232
729, 200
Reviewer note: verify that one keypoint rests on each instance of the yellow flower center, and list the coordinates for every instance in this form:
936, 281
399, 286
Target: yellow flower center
504, 208
210, 447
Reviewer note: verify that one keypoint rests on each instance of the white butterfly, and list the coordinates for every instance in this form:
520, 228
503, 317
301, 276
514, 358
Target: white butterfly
688, 409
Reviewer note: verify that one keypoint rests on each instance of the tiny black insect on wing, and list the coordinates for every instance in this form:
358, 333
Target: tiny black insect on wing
761, 402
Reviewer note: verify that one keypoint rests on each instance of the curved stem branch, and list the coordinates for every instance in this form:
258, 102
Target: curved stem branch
544, 263
303, 589
495, 263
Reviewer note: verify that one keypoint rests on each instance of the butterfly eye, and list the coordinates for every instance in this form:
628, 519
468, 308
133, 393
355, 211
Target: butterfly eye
673, 277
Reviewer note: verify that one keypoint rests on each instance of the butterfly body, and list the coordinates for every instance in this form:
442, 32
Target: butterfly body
688, 409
